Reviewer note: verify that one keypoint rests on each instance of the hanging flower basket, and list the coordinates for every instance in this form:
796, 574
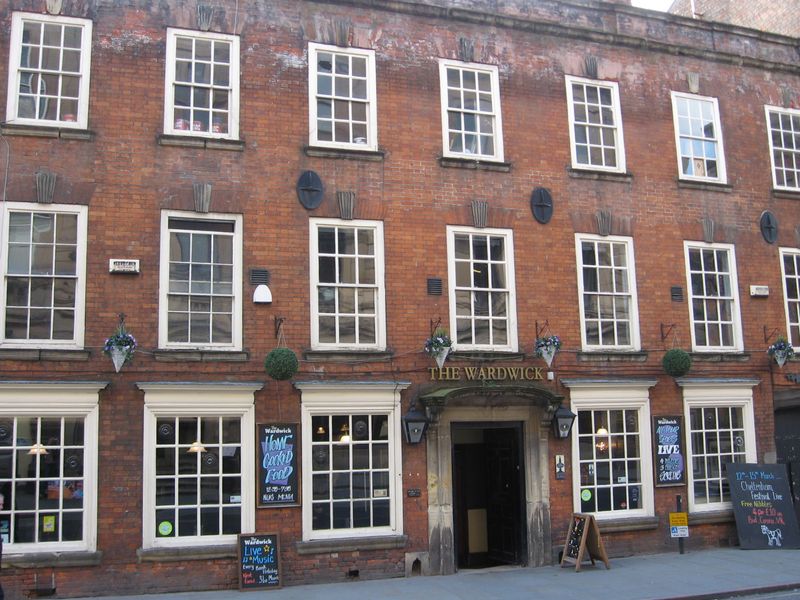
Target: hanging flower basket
781, 351
676, 362
281, 364
547, 347
120, 346
439, 345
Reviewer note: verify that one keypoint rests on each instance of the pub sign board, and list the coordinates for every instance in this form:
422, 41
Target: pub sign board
762, 506
669, 451
278, 483
259, 561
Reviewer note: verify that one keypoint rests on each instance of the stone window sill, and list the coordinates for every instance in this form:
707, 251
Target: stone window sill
201, 356
601, 356
346, 153
347, 355
483, 356
708, 186
787, 194
186, 553
720, 356
634, 524
44, 354
52, 559
455, 162
208, 143
385, 542
711, 518
47, 132
599, 175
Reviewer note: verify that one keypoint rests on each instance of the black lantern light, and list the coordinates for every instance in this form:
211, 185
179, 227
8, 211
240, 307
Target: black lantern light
414, 424
562, 422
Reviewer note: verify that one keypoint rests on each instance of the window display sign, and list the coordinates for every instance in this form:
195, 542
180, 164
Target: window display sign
259, 561
278, 483
762, 505
669, 451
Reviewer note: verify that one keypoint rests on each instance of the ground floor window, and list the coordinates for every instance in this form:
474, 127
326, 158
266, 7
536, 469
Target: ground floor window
351, 459
199, 457
48, 466
612, 462
720, 432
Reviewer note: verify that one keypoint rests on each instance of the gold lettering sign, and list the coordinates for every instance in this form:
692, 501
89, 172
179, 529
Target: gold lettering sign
487, 373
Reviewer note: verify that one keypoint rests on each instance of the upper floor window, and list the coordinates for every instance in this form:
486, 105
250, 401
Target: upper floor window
482, 297
49, 61
790, 267
202, 84
607, 292
713, 297
199, 448
698, 137
347, 288
595, 122
472, 126
342, 100
48, 466
44, 275
201, 281
783, 125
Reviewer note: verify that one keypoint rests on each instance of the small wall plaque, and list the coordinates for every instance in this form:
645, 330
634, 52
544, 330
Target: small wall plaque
414, 493
761, 291
123, 265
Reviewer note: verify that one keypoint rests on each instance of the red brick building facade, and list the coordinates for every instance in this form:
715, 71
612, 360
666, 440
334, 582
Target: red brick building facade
624, 180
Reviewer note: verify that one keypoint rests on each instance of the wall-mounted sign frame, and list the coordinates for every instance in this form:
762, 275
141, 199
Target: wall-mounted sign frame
278, 474
669, 451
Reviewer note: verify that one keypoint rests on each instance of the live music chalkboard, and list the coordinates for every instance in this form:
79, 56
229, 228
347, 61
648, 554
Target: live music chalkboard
277, 465
762, 505
259, 561
669, 451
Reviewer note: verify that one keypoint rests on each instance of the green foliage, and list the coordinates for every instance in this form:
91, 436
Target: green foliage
281, 364
677, 362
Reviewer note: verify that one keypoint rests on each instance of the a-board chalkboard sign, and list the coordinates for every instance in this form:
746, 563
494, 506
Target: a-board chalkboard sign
762, 505
277, 465
669, 451
583, 536
259, 561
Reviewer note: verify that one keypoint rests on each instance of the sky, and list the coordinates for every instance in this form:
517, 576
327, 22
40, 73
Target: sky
653, 4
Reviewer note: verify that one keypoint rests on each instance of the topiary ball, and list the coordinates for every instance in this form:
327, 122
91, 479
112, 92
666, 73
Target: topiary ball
677, 362
281, 364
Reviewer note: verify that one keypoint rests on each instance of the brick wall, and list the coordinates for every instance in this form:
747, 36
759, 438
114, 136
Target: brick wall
765, 15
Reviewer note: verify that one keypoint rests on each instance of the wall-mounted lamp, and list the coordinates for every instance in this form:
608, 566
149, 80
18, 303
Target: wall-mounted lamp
37, 449
197, 447
562, 422
345, 433
262, 295
415, 423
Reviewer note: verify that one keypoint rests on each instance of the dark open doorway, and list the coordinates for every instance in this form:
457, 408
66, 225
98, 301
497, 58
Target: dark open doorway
488, 494
787, 444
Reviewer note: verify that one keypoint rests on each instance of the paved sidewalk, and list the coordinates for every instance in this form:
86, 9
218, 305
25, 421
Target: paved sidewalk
701, 574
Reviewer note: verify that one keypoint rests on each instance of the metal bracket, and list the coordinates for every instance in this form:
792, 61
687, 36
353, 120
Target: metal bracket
540, 330
436, 325
278, 326
768, 337
665, 334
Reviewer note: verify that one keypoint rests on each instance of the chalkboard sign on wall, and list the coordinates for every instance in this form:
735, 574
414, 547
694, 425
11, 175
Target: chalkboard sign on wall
277, 465
259, 561
762, 505
669, 451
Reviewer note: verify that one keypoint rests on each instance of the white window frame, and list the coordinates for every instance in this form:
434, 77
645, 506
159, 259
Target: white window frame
722, 176
76, 343
497, 135
170, 83
738, 343
634, 303
511, 307
15, 45
371, 101
717, 393
617, 112
61, 399
795, 254
163, 294
380, 301
197, 400
615, 395
792, 113
345, 398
